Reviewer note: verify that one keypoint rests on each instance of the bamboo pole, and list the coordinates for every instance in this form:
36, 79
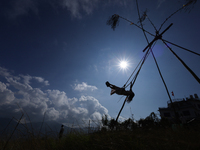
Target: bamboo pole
193, 74
120, 110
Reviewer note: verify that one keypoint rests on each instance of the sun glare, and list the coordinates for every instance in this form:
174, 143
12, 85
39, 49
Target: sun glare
123, 64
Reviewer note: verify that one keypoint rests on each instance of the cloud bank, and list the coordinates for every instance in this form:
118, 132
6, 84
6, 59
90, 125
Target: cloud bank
17, 93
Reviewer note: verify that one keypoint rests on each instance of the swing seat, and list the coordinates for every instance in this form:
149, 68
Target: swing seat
130, 97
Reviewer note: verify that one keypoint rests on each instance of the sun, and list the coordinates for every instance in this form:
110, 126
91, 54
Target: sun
123, 64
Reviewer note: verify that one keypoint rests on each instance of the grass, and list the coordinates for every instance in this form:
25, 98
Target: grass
148, 139
137, 139
153, 135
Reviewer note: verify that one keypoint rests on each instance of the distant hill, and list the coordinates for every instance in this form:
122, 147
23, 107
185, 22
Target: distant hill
47, 128
7, 126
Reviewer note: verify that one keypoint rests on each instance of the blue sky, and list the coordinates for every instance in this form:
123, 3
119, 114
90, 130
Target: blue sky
57, 55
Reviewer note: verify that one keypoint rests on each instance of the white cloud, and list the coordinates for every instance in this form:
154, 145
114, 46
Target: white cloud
40, 79
4, 72
96, 116
6, 95
77, 8
22, 7
84, 87
17, 85
52, 114
160, 3
28, 78
55, 104
92, 105
58, 98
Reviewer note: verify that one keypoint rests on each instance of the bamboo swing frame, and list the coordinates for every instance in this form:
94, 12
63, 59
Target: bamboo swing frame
149, 49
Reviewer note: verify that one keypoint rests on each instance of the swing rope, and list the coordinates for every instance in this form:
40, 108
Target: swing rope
136, 25
140, 64
184, 64
134, 70
182, 47
135, 77
138, 71
184, 6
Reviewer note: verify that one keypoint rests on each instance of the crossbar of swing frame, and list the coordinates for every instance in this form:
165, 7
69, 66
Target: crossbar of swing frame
159, 36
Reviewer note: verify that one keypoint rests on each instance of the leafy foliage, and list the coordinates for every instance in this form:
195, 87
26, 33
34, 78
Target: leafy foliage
189, 5
150, 121
188, 2
143, 17
113, 21
104, 120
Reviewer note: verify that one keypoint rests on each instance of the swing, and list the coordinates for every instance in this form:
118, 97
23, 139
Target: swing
113, 21
121, 91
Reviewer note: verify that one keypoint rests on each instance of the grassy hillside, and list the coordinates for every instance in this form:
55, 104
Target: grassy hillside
150, 133
139, 139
